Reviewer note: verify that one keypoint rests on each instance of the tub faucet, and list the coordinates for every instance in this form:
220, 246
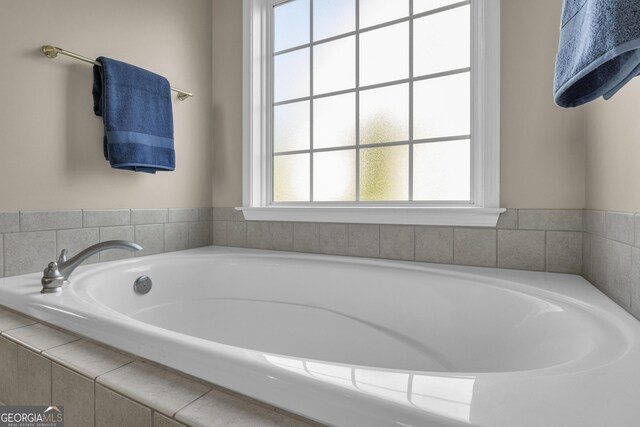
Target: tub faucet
57, 272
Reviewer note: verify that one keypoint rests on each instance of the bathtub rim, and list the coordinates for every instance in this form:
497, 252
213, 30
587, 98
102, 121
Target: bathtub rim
532, 279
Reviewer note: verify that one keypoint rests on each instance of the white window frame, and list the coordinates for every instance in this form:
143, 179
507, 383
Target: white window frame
485, 130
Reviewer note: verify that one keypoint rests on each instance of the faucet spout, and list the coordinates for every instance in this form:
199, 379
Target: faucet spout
57, 273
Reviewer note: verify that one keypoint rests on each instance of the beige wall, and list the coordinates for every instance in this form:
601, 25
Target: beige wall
613, 150
50, 140
542, 145
543, 160
227, 102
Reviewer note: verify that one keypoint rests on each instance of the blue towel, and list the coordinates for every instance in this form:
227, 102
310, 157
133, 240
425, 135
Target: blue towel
599, 49
135, 105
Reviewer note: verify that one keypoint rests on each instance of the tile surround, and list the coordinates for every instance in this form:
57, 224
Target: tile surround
33, 385
75, 393
603, 246
102, 387
156, 388
28, 252
529, 247
611, 256
521, 249
31, 239
106, 217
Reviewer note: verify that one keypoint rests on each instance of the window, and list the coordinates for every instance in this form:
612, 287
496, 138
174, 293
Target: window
372, 111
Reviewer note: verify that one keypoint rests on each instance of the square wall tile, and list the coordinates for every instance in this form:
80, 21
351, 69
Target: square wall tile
617, 283
564, 252
149, 216
281, 236
397, 242
521, 249
9, 222
364, 240
474, 246
116, 233
87, 358
230, 410
157, 388
77, 240
219, 237
10, 320
227, 214
434, 244
39, 337
28, 252
205, 214
199, 234
508, 220
106, 217
75, 393
258, 235
306, 237
333, 239
620, 226
1, 255
183, 215
176, 236
594, 222
8, 371
50, 220
599, 260
150, 237
112, 409
34, 378
237, 234
550, 219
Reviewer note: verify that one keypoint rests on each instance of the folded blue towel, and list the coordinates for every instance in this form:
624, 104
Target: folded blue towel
599, 49
135, 105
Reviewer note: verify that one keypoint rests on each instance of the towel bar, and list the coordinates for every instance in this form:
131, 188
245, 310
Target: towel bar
53, 51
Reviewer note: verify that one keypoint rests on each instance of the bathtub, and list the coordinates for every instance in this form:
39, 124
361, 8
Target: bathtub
359, 342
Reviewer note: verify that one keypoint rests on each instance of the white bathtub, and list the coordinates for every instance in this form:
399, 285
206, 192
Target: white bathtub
357, 342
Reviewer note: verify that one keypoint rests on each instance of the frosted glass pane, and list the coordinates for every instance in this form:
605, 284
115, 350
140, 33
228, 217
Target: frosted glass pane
442, 42
334, 121
384, 54
334, 65
442, 171
425, 5
291, 24
291, 176
291, 75
384, 173
442, 107
384, 114
333, 17
334, 176
374, 12
291, 127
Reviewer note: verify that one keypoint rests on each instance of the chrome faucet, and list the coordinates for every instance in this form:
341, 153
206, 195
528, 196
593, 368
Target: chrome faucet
57, 272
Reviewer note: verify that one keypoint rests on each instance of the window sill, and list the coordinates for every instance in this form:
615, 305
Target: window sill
457, 216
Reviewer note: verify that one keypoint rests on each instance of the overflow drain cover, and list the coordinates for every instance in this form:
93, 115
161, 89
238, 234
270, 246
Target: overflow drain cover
142, 285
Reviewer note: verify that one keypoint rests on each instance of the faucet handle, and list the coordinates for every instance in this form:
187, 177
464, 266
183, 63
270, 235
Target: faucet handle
52, 279
63, 256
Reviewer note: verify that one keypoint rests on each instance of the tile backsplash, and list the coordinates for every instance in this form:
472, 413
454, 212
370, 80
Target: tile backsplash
31, 239
611, 254
602, 246
528, 239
